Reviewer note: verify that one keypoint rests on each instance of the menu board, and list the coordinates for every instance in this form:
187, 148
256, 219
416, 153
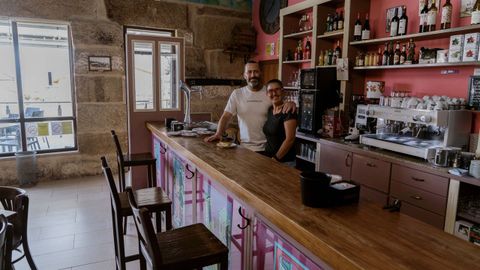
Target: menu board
474, 93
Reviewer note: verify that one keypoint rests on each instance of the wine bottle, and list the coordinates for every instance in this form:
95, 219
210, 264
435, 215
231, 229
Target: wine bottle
403, 23
338, 51
403, 55
320, 58
308, 49
329, 17
357, 33
299, 50
366, 29
330, 57
396, 56
385, 56
394, 25
411, 53
423, 19
432, 16
446, 21
340, 21
476, 12
391, 54
335, 22
325, 58
379, 57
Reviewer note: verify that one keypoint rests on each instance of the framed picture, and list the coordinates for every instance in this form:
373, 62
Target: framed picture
466, 8
421, 4
391, 14
99, 63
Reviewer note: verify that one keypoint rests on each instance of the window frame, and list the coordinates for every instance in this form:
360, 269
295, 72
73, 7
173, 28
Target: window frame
154, 80
22, 120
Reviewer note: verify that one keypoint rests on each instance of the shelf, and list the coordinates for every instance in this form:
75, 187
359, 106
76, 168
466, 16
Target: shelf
421, 36
299, 34
297, 61
291, 88
332, 35
307, 137
419, 66
327, 66
306, 159
468, 217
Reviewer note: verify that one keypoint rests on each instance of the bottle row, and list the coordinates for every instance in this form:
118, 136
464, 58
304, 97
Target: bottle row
403, 54
334, 22
329, 57
302, 52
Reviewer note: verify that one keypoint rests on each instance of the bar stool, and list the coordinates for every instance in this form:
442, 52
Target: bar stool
16, 199
5, 243
153, 199
190, 247
132, 160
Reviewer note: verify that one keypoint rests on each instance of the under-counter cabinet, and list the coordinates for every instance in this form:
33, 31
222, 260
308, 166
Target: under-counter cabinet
335, 161
374, 177
423, 195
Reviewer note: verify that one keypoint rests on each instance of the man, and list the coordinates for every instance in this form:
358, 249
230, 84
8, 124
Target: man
250, 103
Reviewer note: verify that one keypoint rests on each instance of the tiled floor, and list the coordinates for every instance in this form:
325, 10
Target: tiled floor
70, 226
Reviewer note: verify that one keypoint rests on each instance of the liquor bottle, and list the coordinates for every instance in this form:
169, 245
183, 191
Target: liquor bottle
385, 56
325, 58
357, 33
340, 21
379, 57
335, 22
423, 19
391, 54
403, 55
308, 49
320, 58
476, 12
446, 21
411, 53
59, 110
299, 51
396, 56
330, 57
394, 25
338, 51
432, 16
330, 23
366, 29
403, 23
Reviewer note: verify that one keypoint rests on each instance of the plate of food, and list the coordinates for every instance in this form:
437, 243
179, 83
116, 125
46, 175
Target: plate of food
226, 144
189, 134
199, 129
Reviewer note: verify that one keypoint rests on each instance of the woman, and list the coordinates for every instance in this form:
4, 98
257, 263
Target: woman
280, 127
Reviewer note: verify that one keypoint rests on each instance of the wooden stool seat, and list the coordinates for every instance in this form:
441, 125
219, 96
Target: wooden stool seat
138, 159
190, 246
152, 198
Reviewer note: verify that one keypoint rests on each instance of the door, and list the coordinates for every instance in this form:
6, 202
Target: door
155, 64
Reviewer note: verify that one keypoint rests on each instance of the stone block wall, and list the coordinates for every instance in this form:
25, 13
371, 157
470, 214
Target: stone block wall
98, 29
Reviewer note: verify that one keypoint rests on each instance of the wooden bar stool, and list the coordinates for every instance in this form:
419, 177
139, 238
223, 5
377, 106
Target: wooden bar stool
16, 199
190, 247
6, 230
132, 160
153, 199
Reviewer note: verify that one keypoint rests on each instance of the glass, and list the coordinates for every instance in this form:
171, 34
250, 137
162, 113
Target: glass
143, 76
10, 138
169, 74
50, 135
45, 66
8, 82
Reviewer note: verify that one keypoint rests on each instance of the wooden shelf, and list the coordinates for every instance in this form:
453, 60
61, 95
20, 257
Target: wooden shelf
291, 88
469, 217
299, 34
332, 35
297, 61
421, 36
307, 137
328, 66
306, 159
419, 66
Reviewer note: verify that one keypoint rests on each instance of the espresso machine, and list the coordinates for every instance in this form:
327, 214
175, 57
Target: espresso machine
416, 132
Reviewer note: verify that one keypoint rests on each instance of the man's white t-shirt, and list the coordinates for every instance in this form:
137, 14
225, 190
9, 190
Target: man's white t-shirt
251, 108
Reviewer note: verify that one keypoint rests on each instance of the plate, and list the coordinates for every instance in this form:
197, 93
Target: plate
205, 132
199, 129
232, 145
189, 134
174, 133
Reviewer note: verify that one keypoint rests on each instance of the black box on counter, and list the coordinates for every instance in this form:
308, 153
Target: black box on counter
344, 192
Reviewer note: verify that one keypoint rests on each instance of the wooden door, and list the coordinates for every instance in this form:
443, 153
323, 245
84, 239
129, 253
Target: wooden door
269, 70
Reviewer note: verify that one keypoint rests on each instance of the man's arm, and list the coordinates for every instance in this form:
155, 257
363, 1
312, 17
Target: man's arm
222, 125
289, 107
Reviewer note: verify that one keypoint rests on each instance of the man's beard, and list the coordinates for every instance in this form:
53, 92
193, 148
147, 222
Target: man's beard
253, 82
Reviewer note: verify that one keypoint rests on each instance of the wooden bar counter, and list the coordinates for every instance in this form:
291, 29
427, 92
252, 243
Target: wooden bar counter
360, 236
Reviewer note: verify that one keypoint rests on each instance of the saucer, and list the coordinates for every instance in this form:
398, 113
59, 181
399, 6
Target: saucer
232, 145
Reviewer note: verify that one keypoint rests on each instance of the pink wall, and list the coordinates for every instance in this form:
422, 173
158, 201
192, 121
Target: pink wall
263, 38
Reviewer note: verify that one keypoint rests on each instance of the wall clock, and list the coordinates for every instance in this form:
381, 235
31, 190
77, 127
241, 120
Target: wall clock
270, 15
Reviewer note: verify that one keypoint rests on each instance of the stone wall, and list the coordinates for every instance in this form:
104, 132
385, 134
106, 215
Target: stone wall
97, 29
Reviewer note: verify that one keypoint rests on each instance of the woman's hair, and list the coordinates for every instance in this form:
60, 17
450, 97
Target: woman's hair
275, 81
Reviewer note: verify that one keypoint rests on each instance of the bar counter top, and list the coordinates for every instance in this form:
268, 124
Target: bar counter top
359, 236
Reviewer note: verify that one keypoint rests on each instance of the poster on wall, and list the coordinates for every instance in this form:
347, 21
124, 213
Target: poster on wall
421, 4
391, 14
466, 8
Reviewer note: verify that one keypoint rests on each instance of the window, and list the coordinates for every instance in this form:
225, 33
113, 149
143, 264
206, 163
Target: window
36, 102
155, 69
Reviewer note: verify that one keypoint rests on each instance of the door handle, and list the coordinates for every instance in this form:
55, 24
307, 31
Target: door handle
192, 172
245, 218
418, 179
371, 165
416, 197
347, 160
